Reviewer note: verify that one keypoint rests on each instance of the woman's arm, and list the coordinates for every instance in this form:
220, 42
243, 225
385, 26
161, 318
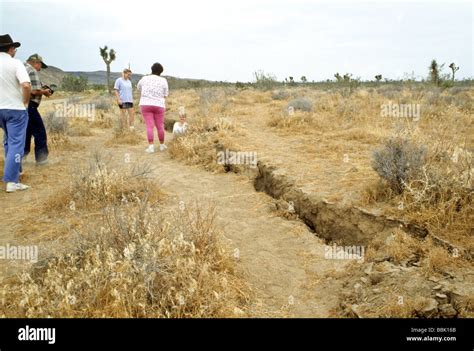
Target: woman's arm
117, 95
117, 88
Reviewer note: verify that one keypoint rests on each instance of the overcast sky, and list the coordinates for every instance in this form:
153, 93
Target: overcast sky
229, 40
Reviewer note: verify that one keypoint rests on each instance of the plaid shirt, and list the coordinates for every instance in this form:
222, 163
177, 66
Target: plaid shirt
35, 83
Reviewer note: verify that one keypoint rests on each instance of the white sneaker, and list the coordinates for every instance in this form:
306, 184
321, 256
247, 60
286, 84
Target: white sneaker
163, 147
150, 149
12, 187
42, 163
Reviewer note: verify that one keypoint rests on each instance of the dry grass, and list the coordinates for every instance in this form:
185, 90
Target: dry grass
439, 260
403, 249
100, 184
131, 259
128, 256
80, 129
137, 264
298, 122
104, 120
125, 137
394, 309
59, 142
353, 124
440, 197
58, 129
205, 137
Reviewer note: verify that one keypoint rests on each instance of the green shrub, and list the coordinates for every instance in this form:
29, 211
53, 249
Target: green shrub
73, 83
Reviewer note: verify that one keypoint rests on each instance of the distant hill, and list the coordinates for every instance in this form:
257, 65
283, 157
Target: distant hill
54, 75
100, 77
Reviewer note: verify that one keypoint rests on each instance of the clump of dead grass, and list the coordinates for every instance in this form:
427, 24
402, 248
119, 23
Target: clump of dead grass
136, 263
124, 136
80, 129
100, 184
205, 137
103, 119
297, 122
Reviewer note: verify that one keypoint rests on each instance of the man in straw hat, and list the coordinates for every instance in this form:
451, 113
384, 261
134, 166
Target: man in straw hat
15, 90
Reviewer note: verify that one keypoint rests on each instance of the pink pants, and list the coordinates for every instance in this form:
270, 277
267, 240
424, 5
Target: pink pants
154, 116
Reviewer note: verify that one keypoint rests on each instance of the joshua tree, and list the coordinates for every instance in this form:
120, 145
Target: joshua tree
378, 77
291, 81
303, 79
434, 72
108, 57
338, 77
454, 68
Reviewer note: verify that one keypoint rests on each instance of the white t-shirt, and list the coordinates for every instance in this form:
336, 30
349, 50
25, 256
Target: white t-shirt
153, 89
12, 74
177, 129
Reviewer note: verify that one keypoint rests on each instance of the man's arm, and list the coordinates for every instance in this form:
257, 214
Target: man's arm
26, 90
40, 92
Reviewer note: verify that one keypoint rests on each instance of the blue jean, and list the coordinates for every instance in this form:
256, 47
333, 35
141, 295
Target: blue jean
37, 130
13, 123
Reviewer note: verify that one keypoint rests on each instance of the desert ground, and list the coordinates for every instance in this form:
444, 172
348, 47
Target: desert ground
122, 233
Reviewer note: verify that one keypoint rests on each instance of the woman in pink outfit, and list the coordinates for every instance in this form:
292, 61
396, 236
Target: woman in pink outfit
153, 91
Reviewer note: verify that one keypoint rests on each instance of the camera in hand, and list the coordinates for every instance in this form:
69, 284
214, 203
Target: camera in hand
50, 88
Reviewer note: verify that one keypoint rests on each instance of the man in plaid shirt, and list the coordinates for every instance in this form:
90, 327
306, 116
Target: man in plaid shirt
36, 128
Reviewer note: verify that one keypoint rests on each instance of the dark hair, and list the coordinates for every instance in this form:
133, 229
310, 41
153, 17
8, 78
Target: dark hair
156, 69
5, 48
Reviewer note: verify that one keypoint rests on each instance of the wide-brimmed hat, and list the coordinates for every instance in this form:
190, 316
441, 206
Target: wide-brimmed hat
37, 57
6, 40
